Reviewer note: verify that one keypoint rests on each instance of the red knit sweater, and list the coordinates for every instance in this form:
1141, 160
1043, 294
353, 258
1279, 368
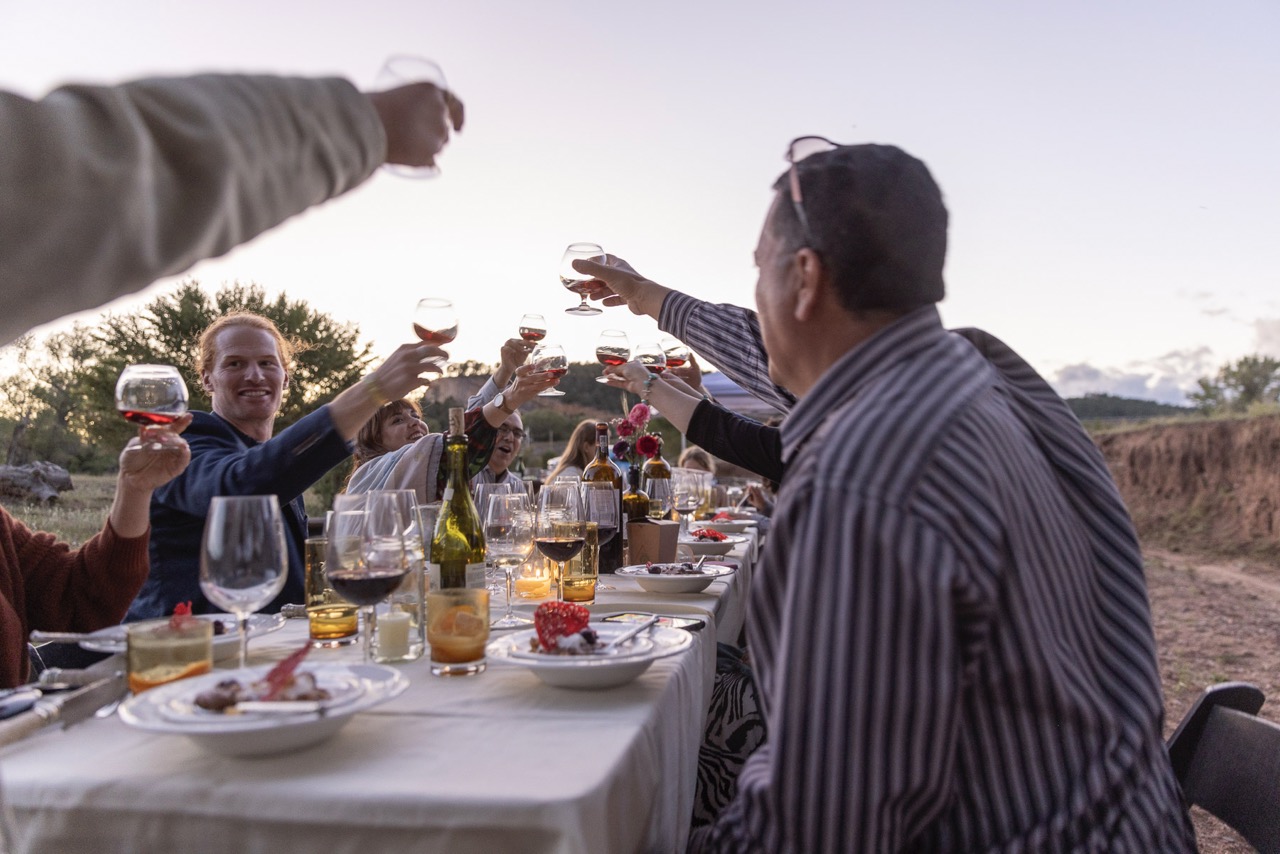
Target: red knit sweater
46, 585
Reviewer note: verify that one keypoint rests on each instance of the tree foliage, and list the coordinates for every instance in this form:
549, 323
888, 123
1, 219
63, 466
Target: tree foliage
1239, 385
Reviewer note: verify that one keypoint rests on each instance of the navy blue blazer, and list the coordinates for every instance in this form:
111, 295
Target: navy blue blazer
225, 461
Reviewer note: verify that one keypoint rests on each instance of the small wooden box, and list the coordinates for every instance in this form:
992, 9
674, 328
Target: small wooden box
652, 540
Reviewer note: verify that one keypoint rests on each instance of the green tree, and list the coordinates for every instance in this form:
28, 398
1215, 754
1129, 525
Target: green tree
1238, 385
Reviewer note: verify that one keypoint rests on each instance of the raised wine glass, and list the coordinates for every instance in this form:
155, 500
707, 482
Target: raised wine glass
677, 353
573, 280
550, 359
560, 511
652, 356
436, 322
613, 348
508, 534
151, 395
533, 327
243, 557
368, 554
600, 505
400, 70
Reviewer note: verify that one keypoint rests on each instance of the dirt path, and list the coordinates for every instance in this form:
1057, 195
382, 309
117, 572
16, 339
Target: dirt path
1222, 571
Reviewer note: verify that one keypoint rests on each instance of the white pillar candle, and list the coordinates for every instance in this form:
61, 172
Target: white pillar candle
393, 634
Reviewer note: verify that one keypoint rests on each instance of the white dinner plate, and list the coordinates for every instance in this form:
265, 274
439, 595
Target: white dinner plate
728, 526
589, 671
112, 638
713, 547
658, 583
170, 709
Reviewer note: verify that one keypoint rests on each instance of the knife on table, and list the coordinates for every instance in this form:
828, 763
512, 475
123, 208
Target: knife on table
67, 709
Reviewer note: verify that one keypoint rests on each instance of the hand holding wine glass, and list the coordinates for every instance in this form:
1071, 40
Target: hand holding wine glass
151, 395
613, 348
549, 359
652, 356
243, 559
417, 110
508, 534
677, 353
533, 327
575, 281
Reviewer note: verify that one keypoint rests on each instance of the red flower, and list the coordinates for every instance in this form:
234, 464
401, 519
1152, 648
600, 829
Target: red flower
625, 428
647, 446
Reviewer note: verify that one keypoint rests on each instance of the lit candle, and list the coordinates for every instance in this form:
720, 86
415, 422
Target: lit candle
393, 634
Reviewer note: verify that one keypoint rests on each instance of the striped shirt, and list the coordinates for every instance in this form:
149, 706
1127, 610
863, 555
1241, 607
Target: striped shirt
950, 623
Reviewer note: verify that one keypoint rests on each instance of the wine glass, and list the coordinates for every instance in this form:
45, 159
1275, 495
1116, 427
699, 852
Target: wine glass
550, 359
400, 70
573, 280
243, 557
533, 327
600, 505
652, 356
436, 323
661, 497
508, 534
481, 492
686, 495
368, 554
151, 395
410, 597
559, 535
677, 353
612, 348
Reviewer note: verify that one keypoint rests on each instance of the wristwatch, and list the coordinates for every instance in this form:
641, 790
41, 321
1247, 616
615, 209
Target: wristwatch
500, 401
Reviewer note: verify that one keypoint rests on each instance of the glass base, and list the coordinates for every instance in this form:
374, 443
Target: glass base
333, 643
584, 310
471, 668
511, 621
602, 379
551, 392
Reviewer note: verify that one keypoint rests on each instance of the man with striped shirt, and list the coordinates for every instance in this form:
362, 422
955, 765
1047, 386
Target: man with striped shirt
950, 623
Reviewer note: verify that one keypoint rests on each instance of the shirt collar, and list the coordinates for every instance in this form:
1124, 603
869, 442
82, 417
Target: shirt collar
852, 372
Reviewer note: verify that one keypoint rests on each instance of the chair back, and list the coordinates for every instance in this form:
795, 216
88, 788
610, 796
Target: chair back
1227, 760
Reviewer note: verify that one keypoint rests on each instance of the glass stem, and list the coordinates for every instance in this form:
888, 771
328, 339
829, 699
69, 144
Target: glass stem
560, 580
242, 623
510, 571
368, 634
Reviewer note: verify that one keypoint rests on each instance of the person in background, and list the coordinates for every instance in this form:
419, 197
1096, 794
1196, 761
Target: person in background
104, 189
949, 621
694, 457
578, 451
506, 448
244, 363
47, 585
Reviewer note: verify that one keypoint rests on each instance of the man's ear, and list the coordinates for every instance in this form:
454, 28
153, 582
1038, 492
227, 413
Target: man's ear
812, 285
205, 383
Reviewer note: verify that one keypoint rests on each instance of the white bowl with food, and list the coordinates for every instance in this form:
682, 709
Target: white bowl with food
590, 670
675, 577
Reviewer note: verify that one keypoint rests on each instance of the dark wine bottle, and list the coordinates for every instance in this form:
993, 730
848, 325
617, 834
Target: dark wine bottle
604, 470
656, 482
457, 546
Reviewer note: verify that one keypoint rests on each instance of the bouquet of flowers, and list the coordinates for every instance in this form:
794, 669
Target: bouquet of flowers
634, 445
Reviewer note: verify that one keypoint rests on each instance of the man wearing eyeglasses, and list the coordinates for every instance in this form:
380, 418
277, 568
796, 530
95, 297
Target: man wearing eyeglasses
949, 624
506, 448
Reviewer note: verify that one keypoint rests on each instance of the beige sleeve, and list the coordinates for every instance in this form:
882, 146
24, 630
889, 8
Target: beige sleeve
103, 190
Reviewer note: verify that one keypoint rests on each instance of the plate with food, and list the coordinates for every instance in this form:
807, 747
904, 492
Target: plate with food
258, 711
678, 577
705, 541
726, 522
225, 640
567, 650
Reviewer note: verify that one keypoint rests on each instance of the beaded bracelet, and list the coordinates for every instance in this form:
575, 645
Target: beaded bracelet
648, 384
379, 397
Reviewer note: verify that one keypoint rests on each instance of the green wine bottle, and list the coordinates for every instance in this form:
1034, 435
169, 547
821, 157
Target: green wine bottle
457, 546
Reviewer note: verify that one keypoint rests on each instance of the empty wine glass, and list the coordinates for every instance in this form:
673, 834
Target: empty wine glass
686, 495
651, 355
573, 280
559, 535
612, 348
401, 70
481, 493
550, 359
600, 505
533, 327
151, 395
508, 534
243, 557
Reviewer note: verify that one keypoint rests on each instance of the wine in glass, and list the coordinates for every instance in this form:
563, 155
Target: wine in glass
559, 534
508, 534
550, 359
243, 557
613, 348
533, 327
401, 70
652, 356
677, 352
368, 556
151, 395
575, 281
600, 505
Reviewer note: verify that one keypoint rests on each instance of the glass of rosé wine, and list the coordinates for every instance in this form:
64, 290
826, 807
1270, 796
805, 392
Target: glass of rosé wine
533, 328
550, 359
151, 395
436, 323
575, 281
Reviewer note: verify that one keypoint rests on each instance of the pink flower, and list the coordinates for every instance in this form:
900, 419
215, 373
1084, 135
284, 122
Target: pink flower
647, 446
625, 428
639, 415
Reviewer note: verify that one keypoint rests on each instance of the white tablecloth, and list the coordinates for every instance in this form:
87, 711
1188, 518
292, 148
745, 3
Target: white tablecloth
495, 762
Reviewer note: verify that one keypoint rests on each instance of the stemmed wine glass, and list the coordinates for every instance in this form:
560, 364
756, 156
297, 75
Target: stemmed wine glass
243, 557
550, 359
436, 323
559, 535
613, 348
677, 353
533, 327
508, 534
573, 280
400, 70
368, 554
686, 494
151, 395
600, 505
652, 356
481, 492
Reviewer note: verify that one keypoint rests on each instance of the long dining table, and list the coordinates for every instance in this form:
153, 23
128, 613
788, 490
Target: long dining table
489, 763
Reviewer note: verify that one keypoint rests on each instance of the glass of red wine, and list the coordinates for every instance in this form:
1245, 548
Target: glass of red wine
151, 395
558, 534
550, 359
533, 327
436, 323
613, 348
651, 356
575, 281
677, 352
366, 560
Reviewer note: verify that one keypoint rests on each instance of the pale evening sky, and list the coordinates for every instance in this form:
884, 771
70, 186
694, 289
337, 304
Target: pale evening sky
1110, 168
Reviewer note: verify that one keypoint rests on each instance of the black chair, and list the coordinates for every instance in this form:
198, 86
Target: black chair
1227, 760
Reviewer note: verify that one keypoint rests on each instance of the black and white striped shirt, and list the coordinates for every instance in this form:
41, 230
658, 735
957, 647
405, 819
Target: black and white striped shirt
950, 623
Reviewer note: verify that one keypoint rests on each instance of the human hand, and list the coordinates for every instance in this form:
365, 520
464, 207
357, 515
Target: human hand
155, 457
515, 352
758, 498
403, 370
617, 283
630, 376
416, 118
690, 373
528, 383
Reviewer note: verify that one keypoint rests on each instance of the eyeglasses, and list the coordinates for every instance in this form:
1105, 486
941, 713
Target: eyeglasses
800, 148
515, 432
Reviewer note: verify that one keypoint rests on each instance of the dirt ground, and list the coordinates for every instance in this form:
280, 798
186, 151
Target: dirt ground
1216, 620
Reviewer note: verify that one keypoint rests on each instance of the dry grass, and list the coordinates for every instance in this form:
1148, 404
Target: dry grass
77, 515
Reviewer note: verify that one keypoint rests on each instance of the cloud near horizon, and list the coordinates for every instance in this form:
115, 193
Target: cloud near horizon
1165, 379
